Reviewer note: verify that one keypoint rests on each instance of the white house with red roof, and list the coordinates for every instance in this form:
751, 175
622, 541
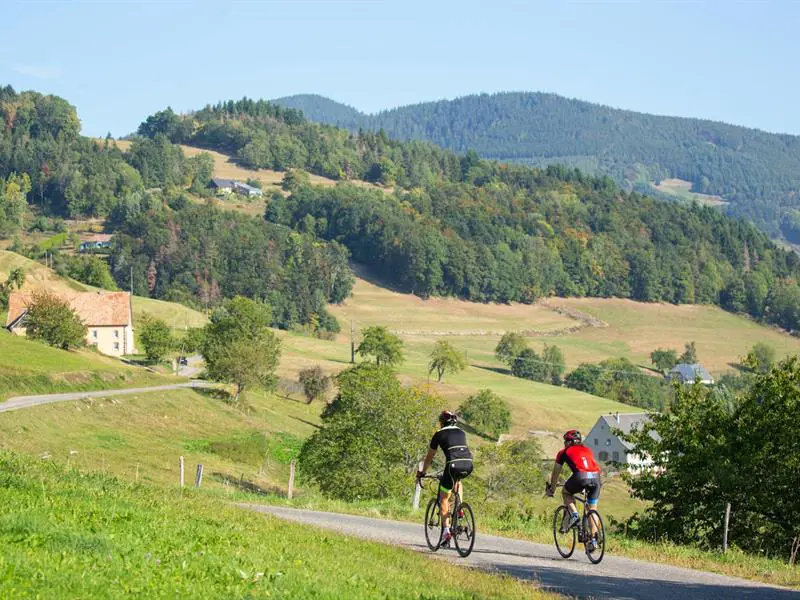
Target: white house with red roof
108, 317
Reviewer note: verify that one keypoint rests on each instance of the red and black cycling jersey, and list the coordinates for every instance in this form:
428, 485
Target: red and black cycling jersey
453, 442
579, 458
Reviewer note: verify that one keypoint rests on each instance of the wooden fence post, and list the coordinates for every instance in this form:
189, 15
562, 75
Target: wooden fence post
725, 530
180, 464
199, 477
417, 489
290, 491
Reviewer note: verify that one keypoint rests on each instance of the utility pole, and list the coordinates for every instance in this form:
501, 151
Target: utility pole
352, 343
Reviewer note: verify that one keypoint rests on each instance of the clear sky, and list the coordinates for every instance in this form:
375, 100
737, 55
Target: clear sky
119, 61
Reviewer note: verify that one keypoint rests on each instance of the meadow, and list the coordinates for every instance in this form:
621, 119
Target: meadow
71, 534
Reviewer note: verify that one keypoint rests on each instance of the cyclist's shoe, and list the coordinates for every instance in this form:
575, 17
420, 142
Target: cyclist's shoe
460, 514
591, 545
446, 537
573, 521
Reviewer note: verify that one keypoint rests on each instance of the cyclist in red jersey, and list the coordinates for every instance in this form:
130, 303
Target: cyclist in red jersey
585, 474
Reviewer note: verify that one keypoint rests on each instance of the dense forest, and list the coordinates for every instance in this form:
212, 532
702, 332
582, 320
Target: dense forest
757, 172
437, 224
200, 255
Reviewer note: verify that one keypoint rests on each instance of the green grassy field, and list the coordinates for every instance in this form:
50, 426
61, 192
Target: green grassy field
28, 367
67, 534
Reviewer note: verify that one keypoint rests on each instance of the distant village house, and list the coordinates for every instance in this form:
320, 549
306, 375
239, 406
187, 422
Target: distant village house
688, 374
228, 186
608, 445
96, 241
107, 315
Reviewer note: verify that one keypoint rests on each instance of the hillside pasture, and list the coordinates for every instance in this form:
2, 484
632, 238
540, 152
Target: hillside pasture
682, 189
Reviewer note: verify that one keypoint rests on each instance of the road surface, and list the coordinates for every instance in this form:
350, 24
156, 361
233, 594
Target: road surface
19, 402
615, 577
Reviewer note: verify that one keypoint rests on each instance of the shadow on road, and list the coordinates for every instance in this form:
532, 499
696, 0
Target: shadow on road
588, 585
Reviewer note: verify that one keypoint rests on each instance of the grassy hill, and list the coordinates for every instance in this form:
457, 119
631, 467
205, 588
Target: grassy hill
37, 276
756, 171
28, 367
97, 536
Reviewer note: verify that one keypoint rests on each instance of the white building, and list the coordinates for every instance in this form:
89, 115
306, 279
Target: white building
607, 444
107, 316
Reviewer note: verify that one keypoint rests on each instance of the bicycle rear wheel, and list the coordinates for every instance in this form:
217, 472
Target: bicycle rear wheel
463, 529
595, 541
433, 525
565, 540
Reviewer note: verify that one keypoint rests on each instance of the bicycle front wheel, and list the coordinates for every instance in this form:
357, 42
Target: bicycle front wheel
595, 536
564, 537
433, 525
463, 528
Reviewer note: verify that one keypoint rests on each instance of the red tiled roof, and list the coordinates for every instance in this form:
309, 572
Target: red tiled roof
95, 309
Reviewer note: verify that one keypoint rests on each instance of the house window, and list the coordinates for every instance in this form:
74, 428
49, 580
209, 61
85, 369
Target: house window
615, 456
116, 333
596, 442
116, 347
94, 334
604, 456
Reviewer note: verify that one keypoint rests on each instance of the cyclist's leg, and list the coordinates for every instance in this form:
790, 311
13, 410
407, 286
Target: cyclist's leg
446, 485
572, 486
593, 499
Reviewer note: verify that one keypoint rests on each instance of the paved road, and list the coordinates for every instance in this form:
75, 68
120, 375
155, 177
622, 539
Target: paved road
615, 577
19, 402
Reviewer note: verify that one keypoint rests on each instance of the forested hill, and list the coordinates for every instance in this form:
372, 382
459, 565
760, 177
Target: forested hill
442, 224
757, 172
447, 224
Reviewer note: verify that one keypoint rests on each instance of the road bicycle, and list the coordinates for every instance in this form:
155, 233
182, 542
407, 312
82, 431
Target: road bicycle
592, 538
462, 520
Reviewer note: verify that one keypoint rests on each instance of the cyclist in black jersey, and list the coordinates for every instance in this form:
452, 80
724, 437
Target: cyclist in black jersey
458, 463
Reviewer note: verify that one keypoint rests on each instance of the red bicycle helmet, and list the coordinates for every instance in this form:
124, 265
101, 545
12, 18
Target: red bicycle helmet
574, 436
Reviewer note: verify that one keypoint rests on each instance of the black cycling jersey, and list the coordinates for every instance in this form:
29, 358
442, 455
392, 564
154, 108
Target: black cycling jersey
453, 441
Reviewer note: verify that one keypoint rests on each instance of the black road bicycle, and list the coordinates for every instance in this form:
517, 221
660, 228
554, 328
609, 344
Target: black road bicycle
589, 531
462, 521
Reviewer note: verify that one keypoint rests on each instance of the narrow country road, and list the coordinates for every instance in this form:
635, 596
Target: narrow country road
19, 402
615, 577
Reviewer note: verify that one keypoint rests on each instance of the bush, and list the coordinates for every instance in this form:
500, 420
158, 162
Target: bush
487, 412
314, 381
510, 347
53, 321
155, 336
510, 469
372, 436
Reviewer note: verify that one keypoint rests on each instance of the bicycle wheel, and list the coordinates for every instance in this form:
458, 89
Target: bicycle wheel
433, 525
463, 529
565, 540
595, 541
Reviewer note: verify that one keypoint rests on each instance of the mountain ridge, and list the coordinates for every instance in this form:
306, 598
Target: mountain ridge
757, 172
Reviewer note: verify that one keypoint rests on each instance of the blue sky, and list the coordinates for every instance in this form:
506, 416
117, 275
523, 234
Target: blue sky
120, 61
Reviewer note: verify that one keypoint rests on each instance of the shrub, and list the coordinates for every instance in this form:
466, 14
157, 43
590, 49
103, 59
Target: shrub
487, 412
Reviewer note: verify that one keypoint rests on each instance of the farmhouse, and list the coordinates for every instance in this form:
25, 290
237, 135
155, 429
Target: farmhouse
228, 186
688, 374
107, 315
96, 241
607, 444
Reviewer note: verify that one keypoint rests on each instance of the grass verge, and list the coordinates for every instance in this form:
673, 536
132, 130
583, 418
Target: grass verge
68, 534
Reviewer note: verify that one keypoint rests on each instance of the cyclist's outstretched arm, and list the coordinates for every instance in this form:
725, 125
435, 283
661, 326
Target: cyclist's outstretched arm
554, 475
428, 460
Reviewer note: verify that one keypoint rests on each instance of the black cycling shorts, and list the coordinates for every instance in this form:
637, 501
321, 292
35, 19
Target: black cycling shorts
585, 481
455, 471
